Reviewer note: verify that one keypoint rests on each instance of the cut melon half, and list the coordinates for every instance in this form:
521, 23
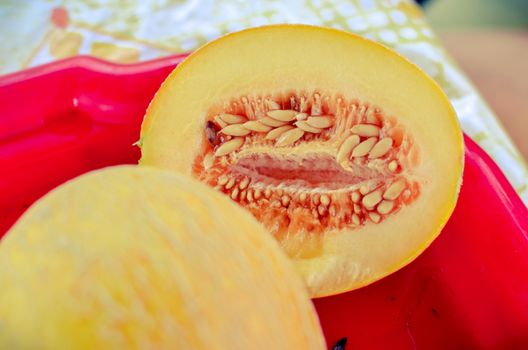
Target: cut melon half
136, 258
349, 154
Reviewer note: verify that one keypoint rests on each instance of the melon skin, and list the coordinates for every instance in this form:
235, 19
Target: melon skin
277, 61
131, 258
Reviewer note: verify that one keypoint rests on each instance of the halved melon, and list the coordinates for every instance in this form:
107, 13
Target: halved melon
348, 153
131, 258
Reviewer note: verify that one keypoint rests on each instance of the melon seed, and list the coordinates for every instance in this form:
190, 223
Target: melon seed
364, 147
272, 122
229, 146
394, 190
381, 148
235, 130
285, 115
393, 166
273, 134
375, 217
321, 122
365, 130
232, 118
306, 127
385, 207
256, 126
346, 147
371, 199
289, 137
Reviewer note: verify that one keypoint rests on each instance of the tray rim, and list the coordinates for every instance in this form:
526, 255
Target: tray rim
91, 63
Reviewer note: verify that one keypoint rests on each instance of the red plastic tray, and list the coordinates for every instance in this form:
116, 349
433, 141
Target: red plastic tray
468, 290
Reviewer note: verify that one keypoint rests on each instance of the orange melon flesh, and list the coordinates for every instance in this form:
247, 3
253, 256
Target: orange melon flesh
350, 81
131, 258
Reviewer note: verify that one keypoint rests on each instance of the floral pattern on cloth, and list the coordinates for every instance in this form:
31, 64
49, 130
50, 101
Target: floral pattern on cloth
137, 30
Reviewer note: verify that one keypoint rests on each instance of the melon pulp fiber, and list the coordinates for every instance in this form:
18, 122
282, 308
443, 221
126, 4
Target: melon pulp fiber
131, 258
349, 154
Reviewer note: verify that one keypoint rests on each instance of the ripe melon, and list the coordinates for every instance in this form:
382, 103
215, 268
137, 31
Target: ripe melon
349, 154
130, 258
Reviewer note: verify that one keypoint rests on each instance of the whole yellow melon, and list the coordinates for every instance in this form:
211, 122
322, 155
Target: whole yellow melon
128, 258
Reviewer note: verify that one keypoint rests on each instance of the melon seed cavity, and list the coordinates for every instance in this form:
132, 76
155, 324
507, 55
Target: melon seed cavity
309, 161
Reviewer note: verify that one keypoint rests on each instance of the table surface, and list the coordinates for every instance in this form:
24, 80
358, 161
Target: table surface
496, 61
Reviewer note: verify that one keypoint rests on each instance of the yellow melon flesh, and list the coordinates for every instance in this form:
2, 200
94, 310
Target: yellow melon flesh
129, 258
307, 62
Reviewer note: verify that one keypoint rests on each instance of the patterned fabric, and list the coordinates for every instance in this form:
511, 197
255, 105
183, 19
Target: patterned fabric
36, 32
